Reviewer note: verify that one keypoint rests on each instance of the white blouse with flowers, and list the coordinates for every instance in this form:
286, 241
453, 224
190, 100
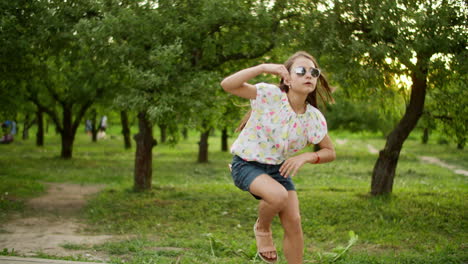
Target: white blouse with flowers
274, 131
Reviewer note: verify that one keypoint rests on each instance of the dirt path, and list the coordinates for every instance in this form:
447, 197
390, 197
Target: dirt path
372, 149
52, 224
341, 141
430, 160
438, 162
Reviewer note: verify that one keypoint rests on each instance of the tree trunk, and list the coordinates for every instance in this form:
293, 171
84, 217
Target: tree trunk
68, 135
224, 140
203, 146
67, 145
163, 129
143, 155
185, 133
425, 137
40, 128
94, 126
125, 129
47, 125
26, 125
384, 169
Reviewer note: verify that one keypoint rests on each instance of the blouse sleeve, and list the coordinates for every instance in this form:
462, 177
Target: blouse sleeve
318, 127
268, 97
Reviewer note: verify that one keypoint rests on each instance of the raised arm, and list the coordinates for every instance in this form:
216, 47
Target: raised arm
237, 83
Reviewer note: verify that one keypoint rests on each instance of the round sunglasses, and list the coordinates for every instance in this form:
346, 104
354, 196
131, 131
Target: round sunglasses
301, 71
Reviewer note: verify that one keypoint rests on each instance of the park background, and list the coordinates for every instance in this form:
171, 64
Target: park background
163, 193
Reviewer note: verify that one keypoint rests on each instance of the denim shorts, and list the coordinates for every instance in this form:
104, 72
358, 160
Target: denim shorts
244, 172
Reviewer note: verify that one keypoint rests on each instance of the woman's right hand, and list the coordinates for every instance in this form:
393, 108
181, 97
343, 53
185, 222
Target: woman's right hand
276, 69
237, 83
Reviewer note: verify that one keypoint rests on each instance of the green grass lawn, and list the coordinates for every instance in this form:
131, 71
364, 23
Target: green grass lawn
194, 214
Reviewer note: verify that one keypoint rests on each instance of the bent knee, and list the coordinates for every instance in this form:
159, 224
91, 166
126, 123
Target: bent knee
292, 219
292, 223
279, 199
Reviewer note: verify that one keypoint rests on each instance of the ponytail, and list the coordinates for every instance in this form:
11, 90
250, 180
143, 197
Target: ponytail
243, 121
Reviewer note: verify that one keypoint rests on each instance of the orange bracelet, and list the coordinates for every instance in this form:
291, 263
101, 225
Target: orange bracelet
318, 158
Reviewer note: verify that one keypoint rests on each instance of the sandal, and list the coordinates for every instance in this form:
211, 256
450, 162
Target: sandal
259, 234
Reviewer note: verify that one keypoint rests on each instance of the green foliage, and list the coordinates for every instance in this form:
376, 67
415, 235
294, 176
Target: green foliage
71, 246
56, 65
219, 248
6, 252
213, 35
363, 114
368, 45
207, 100
448, 98
43, 255
155, 55
17, 20
378, 31
338, 252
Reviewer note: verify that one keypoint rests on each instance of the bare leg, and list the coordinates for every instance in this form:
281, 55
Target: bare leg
274, 199
293, 243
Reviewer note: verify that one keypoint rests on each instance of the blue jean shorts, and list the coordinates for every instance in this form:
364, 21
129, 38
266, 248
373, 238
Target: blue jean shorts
244, 172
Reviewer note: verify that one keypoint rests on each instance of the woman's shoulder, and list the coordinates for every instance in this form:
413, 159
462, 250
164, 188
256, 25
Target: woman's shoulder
268, 87
268, 95
315, 113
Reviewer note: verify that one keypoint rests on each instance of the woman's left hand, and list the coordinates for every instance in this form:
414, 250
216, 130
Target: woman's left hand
292, 165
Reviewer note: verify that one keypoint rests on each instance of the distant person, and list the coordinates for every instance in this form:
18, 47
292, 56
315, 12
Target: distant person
13, 128
88, 127
7, 137
283, 120
11, 125
102, 127
103, 124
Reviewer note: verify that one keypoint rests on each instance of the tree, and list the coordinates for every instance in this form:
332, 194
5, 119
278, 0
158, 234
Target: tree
367, 44
214, 33
62, 77
151, 69
205, 110
17, 29
191, 39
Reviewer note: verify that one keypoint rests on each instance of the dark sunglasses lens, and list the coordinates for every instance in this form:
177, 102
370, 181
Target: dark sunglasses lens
315, 72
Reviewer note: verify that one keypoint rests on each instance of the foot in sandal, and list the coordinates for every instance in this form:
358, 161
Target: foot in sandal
265, 248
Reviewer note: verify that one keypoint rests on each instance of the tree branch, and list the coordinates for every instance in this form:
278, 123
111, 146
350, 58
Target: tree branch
81, 113
54, 94
49, 111
443, 117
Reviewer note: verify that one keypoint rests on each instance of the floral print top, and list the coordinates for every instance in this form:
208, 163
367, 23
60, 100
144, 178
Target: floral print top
274, 132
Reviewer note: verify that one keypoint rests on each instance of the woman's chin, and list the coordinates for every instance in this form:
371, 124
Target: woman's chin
304, 90
309, 89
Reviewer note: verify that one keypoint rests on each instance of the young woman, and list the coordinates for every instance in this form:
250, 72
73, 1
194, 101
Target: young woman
283, 120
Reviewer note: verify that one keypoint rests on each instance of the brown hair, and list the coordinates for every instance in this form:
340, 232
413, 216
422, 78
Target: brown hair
323, 89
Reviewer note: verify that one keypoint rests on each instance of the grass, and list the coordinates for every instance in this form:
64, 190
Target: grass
194, 214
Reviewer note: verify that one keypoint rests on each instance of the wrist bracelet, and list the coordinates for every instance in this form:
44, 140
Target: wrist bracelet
318, 158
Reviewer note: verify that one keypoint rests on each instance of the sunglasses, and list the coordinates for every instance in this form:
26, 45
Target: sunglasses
301, 71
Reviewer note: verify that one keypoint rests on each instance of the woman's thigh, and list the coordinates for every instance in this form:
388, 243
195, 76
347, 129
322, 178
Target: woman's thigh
268, 189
